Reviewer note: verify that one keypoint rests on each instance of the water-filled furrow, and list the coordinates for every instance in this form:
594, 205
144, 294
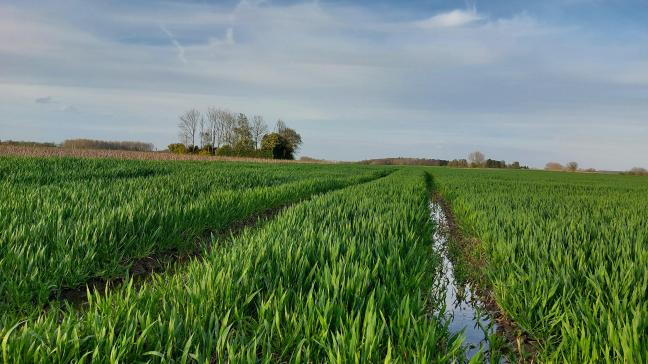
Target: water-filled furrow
463, 309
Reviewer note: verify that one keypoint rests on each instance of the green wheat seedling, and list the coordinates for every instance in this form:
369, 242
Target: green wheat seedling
340, 278
567, 256
67, 221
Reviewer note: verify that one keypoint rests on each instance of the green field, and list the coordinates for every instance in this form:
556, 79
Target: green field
567, 256
68, 220
345, 273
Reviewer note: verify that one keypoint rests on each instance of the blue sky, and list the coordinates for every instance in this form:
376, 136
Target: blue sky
535, 81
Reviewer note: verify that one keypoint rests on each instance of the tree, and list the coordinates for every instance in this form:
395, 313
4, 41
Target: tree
259, 129
459, 163
491, 163
293, 138
221, 123
572, 166
476, 159
212, 119
277, 145
638, 171
206, 138
280, 126
203, 134
189, 126
177, 148
553, 166
243, 139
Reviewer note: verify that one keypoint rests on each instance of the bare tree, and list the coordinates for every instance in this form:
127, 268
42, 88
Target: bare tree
553, 166
184, 138
638, 171
189, 126
206, 137
221, 123
201, 133
216, 118
259, 129
476, 158
229, 128
572, 166
280, 126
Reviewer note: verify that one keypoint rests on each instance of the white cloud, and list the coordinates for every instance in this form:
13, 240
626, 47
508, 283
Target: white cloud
485, 81
451, 19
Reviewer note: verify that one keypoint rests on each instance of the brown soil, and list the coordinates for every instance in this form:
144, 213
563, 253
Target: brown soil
522, 345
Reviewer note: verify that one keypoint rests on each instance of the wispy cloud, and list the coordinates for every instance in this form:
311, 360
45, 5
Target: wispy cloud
50, 100
44, 100
229, 36
69, 108
227, 40
513, 85
451, 19
176, 44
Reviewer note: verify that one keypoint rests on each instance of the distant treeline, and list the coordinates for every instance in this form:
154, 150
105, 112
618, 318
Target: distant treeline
87, 144
406, 161
636, 171
109, 145
475, 160
21, 143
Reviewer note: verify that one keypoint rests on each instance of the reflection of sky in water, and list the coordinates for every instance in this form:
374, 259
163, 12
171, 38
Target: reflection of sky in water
464, 309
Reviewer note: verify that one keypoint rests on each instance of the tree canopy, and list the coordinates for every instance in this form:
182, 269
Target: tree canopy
279, 146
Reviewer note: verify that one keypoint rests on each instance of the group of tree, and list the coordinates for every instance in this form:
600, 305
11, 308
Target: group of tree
637, 171
406, 161
477, 159
569, 167
224, 133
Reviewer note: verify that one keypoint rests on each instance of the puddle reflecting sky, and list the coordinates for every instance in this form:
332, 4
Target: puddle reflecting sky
464, 310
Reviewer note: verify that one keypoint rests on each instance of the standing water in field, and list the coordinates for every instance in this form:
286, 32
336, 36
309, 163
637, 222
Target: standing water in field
464, 310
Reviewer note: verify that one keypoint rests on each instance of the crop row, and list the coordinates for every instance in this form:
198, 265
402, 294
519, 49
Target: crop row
65, 221
343, 277
567, 256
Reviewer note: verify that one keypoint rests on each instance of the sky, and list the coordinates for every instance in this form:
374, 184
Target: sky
533, 81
